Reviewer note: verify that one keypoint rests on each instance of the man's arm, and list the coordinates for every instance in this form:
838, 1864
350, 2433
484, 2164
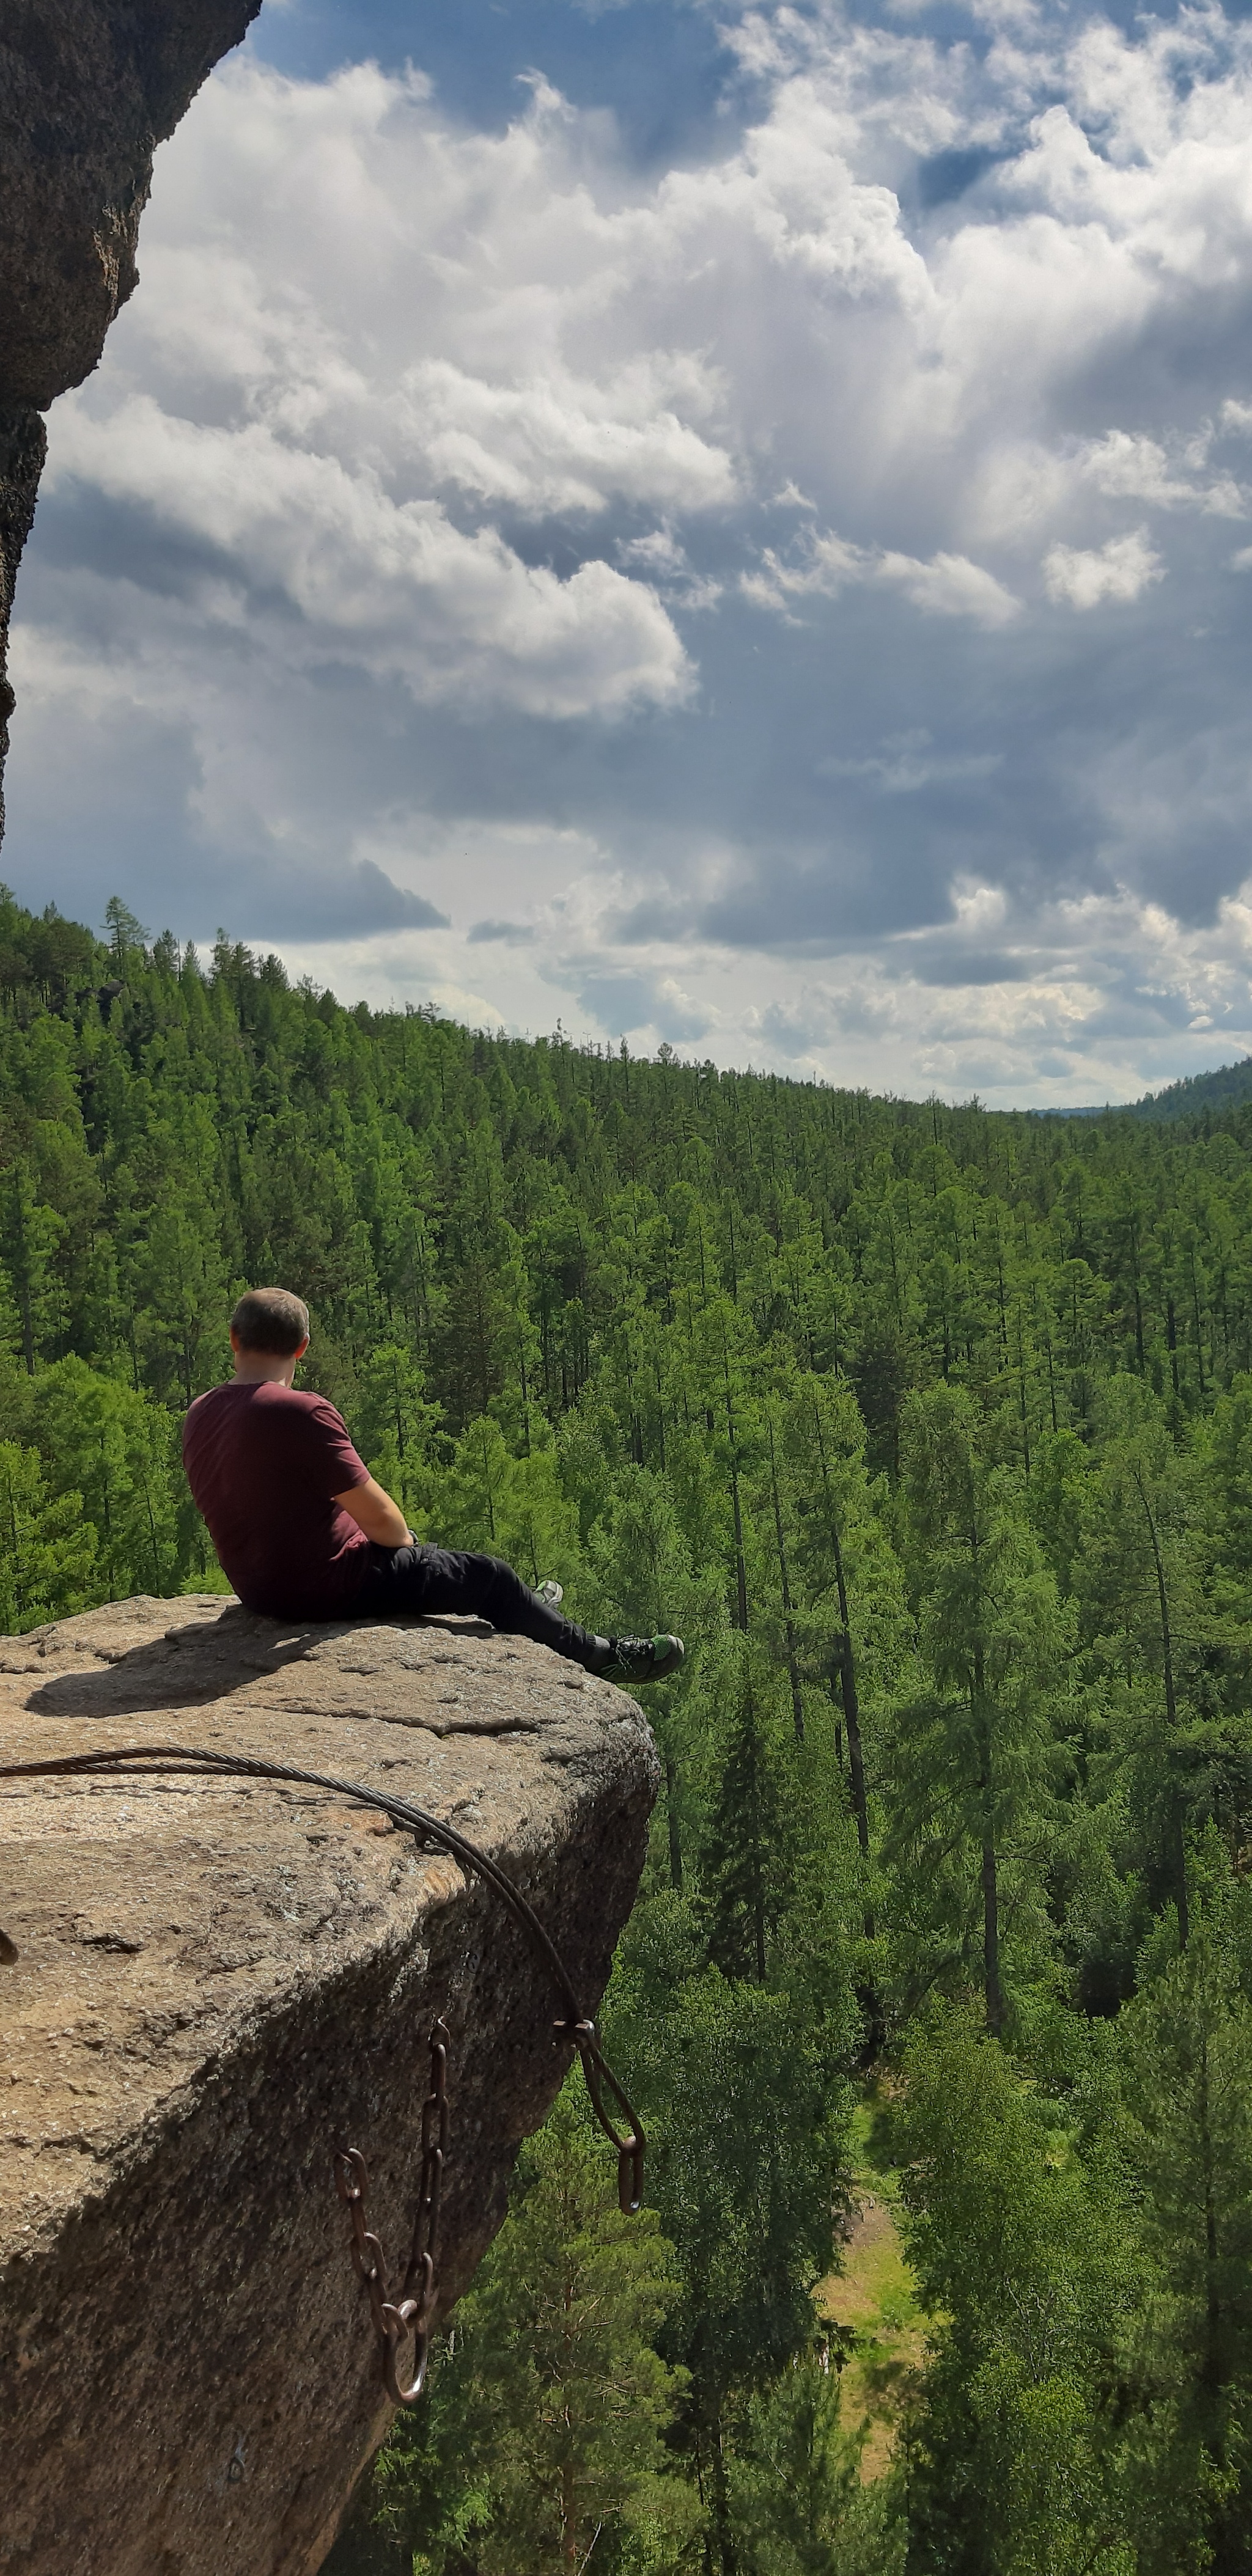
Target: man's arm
373, 1510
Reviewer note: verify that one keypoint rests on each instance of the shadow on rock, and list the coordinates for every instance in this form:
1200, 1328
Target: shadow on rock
206, 1660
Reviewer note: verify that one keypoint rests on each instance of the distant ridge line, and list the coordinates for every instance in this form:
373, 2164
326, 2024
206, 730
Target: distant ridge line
1225, 1088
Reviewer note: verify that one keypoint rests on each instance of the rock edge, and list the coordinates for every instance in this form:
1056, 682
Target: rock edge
215, 1985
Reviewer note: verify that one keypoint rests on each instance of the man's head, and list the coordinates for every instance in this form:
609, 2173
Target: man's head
269, 1332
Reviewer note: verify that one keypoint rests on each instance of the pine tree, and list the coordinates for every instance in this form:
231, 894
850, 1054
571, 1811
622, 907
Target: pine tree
179, 1288
970, 1755
853, 1618
797, 2505
31, 1235
1143, 1606
1188, 2086
743, 2093
116, 1449
47, 1550
1030, 2282
125, 933
395, 1426
746, 1849
544, 2435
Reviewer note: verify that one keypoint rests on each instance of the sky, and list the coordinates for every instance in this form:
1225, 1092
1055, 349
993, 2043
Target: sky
718, 524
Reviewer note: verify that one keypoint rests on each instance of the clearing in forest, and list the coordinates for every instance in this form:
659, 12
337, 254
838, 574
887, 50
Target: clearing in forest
873, 2300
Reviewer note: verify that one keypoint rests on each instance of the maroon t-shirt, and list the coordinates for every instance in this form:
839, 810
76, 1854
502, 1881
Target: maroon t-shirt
264, 1464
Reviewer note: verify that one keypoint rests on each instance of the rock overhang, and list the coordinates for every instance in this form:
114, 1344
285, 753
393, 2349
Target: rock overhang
216, 1983
88, 88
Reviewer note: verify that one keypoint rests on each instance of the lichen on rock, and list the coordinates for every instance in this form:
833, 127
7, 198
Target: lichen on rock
215, 1984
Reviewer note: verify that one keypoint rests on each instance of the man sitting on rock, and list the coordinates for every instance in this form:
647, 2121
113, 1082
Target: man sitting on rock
304, 1532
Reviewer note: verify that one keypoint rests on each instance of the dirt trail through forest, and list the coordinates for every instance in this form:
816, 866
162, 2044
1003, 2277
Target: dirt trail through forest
873, 2300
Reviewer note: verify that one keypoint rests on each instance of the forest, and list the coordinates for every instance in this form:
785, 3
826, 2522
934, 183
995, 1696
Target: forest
931, 1432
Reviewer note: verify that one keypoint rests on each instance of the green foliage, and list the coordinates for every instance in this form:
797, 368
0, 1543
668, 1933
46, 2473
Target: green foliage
1197, 1092
46, 1548
970, 1756
745, 1852
395, 1426
796, 2501
1187, 2141
544, 2432
1025, 2278
932, 1434
31, 1234
109, 1445
743, 2094
506, 1505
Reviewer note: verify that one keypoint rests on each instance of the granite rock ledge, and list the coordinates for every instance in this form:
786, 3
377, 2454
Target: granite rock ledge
216, 1982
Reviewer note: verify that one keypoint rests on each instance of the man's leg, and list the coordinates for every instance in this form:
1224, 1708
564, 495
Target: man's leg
447, 1579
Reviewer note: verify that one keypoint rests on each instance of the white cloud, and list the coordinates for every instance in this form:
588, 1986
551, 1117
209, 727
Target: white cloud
663, 561
1125, 467
385, 322
950, 586
393, 584
1120, 570
822, 566
1105, 993
563, 445
418, 440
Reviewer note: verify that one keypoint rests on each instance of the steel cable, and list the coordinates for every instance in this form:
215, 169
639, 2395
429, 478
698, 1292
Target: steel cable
392, 2320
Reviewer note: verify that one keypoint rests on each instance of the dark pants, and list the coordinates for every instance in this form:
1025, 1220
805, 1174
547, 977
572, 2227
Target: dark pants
480, 1587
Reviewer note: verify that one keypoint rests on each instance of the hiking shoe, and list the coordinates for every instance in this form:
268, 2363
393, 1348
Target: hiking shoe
643, 1659
550, 1592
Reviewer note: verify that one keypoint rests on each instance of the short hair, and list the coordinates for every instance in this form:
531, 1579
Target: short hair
271, 1319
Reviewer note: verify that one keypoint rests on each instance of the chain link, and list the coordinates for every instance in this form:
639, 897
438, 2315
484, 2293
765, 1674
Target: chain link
412, 2314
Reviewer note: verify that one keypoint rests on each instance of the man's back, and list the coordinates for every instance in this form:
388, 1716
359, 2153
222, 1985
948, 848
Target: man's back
264, 1464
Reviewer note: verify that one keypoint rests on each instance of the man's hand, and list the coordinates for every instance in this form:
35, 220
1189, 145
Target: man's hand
374, 1512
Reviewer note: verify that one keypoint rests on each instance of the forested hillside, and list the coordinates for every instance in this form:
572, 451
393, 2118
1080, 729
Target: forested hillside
932, 1432
1225, 1089
1195, 1097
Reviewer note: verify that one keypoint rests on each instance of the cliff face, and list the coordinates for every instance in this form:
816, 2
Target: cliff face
88, 88
23, 444
216, 1984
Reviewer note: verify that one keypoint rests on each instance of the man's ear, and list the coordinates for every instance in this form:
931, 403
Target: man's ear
303, 1348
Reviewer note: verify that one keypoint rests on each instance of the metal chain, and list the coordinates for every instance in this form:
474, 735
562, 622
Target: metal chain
395, 2320
413, 2312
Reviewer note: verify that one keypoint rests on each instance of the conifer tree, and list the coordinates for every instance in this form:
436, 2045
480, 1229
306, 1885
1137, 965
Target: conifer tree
395, 1426
1143, 1604
852, 1618
125, 932
1030, 2283
1188, 2043
797, 2504
745, 1853
47, 1549
114, 1448
970, 1754
748, 2109
543, 2439
31, 1235
179, 1287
